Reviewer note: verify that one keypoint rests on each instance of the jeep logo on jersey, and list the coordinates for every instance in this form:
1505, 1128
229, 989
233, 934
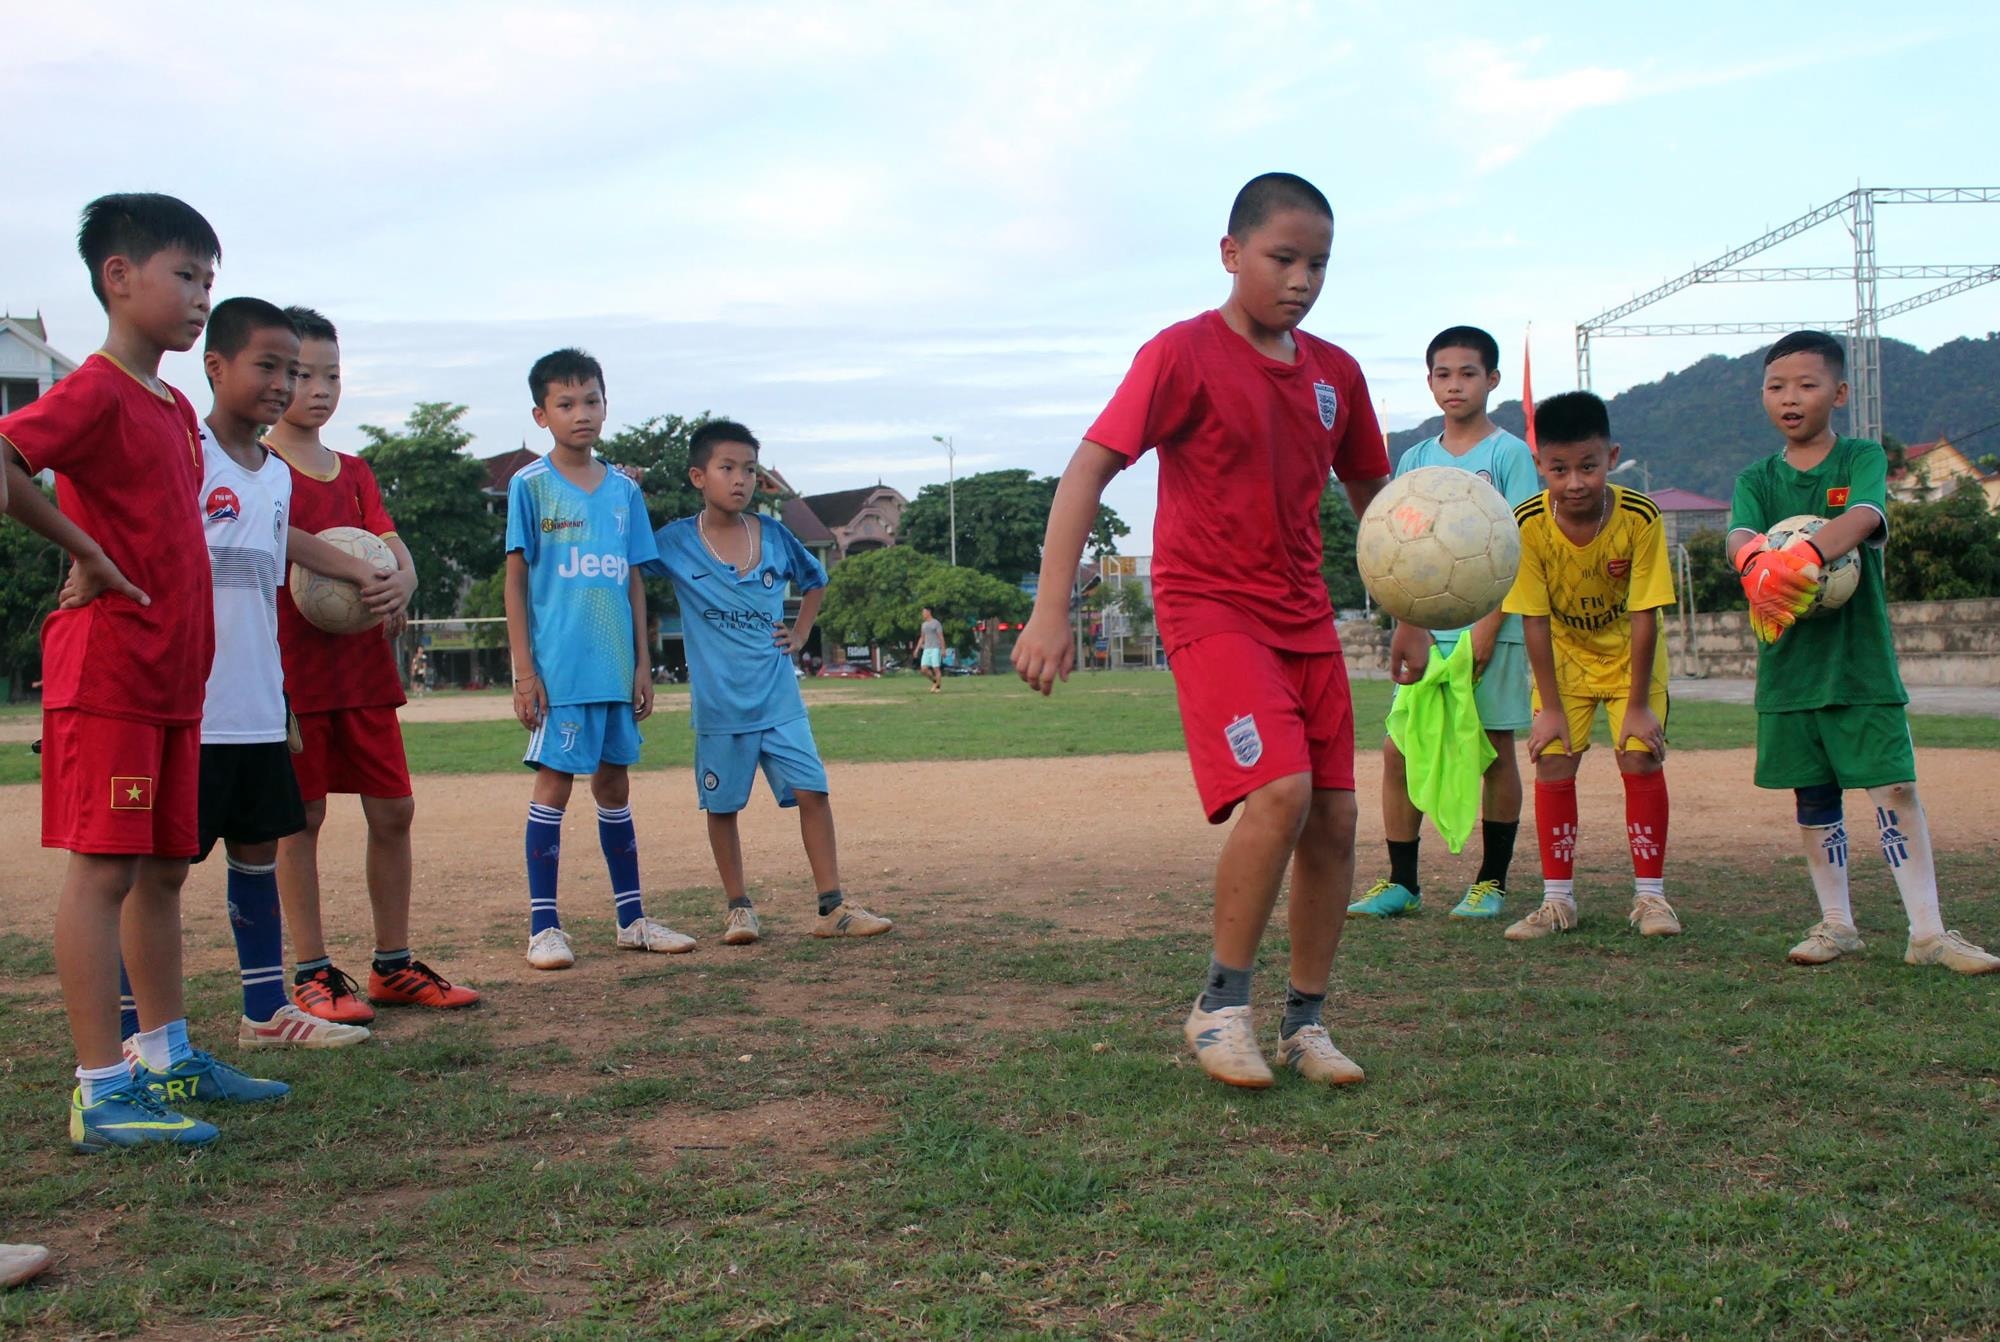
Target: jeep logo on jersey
577, 564
223, 505
1329, 403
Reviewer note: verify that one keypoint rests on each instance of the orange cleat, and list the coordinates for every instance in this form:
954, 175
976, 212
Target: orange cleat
417, 984
332, 995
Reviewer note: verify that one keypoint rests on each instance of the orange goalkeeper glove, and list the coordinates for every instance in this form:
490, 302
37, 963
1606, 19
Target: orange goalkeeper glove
1780, 584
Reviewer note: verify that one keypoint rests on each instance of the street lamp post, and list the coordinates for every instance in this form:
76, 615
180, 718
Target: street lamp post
1645, 472
950, 489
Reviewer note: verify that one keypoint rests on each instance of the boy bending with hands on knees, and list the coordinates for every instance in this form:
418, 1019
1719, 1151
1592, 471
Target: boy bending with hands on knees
1250, 417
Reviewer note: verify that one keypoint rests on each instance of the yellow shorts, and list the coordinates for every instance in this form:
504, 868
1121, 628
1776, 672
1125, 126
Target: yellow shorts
1581, 709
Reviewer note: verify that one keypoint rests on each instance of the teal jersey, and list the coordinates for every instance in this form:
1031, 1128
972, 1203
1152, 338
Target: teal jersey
1501, 460
580, 547
1844, 656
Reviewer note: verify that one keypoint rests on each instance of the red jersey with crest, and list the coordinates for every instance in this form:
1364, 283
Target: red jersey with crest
328, 671
127, 462
1247, 445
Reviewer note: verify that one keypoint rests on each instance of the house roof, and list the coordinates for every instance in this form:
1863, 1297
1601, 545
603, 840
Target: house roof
32, 325
803, 522
1686, 501
34, 334
503, 468
838, 508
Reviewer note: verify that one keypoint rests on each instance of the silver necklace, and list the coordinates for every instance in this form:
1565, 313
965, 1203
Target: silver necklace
749, 551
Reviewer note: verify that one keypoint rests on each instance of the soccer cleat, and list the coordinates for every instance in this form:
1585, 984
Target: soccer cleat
290, 1027
742, 928
549, 949
131, 1116
850, 920
1483, 899
417, 984
332, 995
21, 1262
1826, 942
206, 1079
1952, 951
647, 934
1311, 1054
1654, 917
1386, 899
1225, 1044
1550, 917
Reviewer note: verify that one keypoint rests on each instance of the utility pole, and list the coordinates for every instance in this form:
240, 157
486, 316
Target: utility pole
950, 489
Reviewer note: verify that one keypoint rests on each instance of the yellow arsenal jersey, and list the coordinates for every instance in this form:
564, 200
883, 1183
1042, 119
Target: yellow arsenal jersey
1590, 591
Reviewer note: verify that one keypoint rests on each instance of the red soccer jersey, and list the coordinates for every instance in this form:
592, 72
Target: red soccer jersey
127, 461
1246, 446
327, 671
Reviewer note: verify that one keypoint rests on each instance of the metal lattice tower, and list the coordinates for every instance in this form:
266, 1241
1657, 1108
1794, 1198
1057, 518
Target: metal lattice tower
1863, 330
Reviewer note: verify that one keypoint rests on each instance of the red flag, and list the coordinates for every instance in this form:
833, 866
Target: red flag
1528, 388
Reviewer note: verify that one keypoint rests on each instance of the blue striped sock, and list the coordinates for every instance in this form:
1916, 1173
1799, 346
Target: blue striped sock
128, 1005
544, 860
620, 841
260, 936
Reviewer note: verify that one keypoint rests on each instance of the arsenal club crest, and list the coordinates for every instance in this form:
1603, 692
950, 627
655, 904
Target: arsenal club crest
1328, 402
1618, 568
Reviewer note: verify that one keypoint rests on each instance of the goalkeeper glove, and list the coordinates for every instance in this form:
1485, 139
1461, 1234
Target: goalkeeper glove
1780, 584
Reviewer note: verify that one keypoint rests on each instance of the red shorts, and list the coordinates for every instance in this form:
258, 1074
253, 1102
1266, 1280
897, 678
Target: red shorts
351, 750
116, 788
1254, 714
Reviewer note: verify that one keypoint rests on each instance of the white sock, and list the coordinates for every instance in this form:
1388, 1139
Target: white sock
97, 1082
1559, 892
1906, 843
1826, 862
1649, 885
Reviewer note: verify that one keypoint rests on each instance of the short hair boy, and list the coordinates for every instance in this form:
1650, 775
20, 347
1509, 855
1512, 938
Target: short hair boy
1463, 365
1250, 416
731, 570
1829, 694
577, 531
1593, 579
125, 655
930, 650
345, 691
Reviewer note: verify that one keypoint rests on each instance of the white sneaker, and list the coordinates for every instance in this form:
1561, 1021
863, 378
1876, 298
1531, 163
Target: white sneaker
742, 928
1225, 1044
850, 920
1310, 1053
1952, 951
645, 934
1550, 917
19, 1262
549, 949
1826, 942
1654, 917
290, 1027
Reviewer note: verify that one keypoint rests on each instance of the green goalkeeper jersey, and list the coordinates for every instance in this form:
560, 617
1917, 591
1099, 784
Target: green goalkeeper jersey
1837, 657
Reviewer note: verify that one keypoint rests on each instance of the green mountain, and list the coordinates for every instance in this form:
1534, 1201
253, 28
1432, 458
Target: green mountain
1697, 428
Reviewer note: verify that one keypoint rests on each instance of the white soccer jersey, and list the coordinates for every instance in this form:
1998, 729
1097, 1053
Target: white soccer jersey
244, 515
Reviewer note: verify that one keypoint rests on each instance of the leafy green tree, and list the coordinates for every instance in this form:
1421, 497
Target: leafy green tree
1337, 530
31, 573
432, 489
1943, 549
1716, 586
485, 600
878, 597
1002, 516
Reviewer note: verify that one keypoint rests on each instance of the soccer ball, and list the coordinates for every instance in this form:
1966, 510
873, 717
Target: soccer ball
1840, 577
1438, 548
334, 604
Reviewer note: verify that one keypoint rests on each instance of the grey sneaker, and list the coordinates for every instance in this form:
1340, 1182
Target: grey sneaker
742, 928
1952, 951
1826, 942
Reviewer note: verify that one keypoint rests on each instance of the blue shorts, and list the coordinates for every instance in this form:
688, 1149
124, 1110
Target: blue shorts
1501, 695
930, 659
725, 765
577, 738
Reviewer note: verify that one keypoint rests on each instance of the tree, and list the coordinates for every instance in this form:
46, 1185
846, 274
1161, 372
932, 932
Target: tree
486, 600
31, 573
655, 452
1338, 528
1716, 586
1943, 549
1002, 516
879, 597
432, 489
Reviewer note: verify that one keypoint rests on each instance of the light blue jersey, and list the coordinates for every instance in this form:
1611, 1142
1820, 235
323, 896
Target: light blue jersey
741, 680
580, 548
1501, 460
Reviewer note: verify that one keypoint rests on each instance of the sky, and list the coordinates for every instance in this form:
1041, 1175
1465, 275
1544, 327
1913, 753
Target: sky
856, 226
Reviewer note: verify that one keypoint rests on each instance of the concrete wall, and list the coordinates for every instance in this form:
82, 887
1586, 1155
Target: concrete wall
1937, 643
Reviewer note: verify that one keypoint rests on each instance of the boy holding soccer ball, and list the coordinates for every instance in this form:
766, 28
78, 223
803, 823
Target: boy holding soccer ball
1593, 580
1829, 695
345, 690
1250, 417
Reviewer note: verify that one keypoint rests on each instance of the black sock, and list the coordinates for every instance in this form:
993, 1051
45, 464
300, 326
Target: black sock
1496, 839
829, 900
741, 902
1403, 864
388, 962
1300, 1009
307, 968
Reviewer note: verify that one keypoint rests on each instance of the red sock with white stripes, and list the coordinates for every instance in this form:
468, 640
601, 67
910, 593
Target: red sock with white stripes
1555, 825
1646, 829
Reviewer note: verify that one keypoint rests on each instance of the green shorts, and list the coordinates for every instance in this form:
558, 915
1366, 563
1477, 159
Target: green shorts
1851, 745
1502, 693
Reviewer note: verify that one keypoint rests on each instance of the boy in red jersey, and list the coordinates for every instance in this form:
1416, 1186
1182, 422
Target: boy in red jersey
124, 662
345, 691
1251, 417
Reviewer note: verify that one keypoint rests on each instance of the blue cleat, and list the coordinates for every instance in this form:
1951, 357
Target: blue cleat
207, 1078
1483, 899
1386, 899
131, 1116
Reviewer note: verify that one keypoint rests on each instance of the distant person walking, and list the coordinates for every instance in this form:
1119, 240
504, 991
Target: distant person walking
420, 672
930, 650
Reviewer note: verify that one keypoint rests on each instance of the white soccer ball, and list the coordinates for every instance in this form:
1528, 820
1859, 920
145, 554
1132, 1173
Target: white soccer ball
1840, 577
1438, 548
334, 604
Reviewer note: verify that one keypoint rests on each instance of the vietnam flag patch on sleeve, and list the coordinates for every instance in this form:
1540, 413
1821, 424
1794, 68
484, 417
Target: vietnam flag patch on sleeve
1837, 497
